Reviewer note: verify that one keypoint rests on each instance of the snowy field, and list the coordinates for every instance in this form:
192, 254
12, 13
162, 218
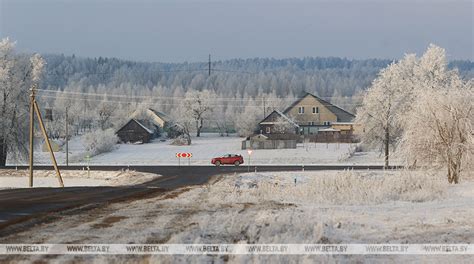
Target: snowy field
20, 178
210, 145
322, 207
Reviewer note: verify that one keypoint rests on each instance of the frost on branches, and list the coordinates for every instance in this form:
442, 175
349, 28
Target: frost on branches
425, 110
384, 105
15, 82
100, 141
438, 130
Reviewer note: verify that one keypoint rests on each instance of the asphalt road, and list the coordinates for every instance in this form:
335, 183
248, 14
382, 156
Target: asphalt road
20, 205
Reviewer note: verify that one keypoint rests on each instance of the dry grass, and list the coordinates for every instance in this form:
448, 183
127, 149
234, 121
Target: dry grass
335, 188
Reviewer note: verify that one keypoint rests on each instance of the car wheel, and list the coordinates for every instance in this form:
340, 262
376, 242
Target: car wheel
237, 163
218, 163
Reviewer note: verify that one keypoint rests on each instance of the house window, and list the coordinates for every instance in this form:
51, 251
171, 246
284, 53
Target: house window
311, 123
267, 130
301, 110
315, 110
327, 123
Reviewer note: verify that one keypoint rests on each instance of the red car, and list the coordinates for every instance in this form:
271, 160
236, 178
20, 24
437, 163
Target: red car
228, 159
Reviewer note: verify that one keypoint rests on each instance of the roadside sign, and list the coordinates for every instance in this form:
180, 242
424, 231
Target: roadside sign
180, 155
184, 155
249, 152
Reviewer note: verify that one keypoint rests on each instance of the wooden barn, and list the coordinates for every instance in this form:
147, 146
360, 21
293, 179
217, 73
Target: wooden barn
135, 131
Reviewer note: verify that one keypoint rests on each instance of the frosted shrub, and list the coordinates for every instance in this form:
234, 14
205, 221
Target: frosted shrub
100, 141
359, 187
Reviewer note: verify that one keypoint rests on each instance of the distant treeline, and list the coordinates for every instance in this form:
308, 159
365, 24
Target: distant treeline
326, 77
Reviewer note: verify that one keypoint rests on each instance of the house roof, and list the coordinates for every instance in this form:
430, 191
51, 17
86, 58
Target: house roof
264, 121
139, 123
161, 115
329, 130
143, 126
342, 115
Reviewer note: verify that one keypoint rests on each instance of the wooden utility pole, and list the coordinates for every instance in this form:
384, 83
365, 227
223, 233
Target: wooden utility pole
34, 108
209, 64
32, 123
264, 108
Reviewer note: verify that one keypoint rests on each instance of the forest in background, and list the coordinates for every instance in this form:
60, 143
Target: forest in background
104, 92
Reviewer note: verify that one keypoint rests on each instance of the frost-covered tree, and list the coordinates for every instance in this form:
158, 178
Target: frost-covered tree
105, 112
15, 81
246, 122
284, 125
385, 103
197, 104
439, 127
185, 122
100, 141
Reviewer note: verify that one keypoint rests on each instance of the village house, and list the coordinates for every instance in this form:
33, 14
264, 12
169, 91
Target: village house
144, 126
312, 114
313, 117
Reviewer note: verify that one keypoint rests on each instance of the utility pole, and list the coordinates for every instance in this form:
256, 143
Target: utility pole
34, 108
264, 108
32, 123
67, 138
209, 64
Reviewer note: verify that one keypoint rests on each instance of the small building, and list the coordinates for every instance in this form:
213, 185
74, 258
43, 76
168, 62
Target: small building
278, 123
261, 141
134, 131
155, 120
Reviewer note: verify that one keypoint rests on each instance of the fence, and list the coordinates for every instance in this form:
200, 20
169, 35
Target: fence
269, 144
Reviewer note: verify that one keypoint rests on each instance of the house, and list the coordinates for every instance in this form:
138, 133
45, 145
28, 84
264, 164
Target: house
135, 131
155, 120
312, 113
278, 123
143, 126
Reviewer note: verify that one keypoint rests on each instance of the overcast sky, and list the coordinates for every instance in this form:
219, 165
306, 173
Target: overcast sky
188, 30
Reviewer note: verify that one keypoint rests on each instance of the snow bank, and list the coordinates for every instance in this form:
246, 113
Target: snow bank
43, 178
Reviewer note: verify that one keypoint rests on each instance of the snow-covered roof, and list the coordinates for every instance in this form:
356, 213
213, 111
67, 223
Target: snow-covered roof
280, 114
260, 136
287, 118
143, 126
329, 130
159, 114
342, 123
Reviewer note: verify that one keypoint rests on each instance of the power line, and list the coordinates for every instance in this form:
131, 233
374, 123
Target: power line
228, 99
229, 105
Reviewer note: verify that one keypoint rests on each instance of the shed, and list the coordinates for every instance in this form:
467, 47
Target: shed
135, 131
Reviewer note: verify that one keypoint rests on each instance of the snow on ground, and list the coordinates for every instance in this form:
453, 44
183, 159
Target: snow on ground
323, 207
211, 145
42, 178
